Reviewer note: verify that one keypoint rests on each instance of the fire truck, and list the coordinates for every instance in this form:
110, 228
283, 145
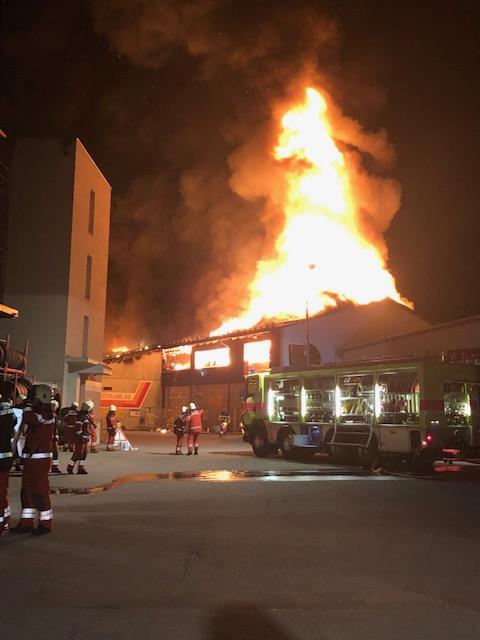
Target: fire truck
359, 412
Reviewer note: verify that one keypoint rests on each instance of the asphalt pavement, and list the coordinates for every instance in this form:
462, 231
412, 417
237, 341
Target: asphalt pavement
224, 545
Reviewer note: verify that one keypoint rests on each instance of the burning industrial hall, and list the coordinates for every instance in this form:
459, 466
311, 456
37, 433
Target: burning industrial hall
324, 296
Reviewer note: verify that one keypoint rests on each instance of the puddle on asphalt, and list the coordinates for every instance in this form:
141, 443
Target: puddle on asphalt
228, 476
441, 472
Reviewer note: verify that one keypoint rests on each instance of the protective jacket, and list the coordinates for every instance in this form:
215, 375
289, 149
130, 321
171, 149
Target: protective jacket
7, 424
180, 424
194, 420
7, 429
111, 420
82, 427
40, 429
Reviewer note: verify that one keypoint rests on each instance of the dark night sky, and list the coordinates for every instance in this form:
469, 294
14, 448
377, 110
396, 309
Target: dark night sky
162, 93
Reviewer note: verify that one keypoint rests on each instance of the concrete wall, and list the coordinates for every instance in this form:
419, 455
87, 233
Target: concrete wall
135, 389
212, 398
41, 193
458, 335
48, 244
83, 243
347, 324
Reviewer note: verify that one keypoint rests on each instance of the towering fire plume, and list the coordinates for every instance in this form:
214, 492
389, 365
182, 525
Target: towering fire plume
331, 247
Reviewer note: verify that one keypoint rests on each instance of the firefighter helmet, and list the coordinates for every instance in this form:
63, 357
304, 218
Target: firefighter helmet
193, 406
87, 405
112, 407
43, 393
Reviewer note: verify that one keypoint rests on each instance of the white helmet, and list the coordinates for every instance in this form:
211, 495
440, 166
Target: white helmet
75, 405
55, 405
112, 407
87, 405
184, 408
193, 406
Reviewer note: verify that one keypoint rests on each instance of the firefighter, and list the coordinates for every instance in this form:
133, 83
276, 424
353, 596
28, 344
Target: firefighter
224, 418
19, 437
7, 426
37, 453
92, 430
82, 436
179, 428
111, 420
55, 438
194, 427
70, 419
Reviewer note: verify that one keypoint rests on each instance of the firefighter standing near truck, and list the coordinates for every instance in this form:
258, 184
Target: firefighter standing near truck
7, 425
39, 422
194, 427
82, 436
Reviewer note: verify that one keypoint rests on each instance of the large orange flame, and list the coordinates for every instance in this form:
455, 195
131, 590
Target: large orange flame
321, 255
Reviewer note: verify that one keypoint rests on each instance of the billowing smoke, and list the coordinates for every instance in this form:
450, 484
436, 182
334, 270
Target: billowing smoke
188, 233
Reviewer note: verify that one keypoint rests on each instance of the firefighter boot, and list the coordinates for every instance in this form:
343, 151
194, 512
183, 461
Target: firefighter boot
196, 451
40, 531
70, 469
21, 528
82, 471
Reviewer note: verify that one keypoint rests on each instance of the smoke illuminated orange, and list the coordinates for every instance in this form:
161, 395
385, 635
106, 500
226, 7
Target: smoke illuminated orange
321, 254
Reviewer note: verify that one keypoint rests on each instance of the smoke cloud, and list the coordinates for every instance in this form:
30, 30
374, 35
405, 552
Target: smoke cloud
187, 233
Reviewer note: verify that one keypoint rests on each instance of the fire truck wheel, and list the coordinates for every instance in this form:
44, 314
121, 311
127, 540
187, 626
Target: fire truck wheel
422, 462
342, 455
259, 440
366, 457
284, 441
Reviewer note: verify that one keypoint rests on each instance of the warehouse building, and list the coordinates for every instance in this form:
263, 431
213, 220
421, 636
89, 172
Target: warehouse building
210, 370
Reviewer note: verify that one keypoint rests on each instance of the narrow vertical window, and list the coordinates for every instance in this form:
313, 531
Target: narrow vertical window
91, 212
88, 278
85, 337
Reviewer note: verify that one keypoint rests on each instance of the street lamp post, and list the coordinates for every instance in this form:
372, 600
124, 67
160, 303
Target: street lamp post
311, 267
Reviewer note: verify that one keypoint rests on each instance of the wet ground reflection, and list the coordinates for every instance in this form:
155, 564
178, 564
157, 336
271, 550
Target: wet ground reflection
444, 472
222, 475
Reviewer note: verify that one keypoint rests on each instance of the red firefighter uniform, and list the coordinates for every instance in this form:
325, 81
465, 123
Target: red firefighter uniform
37, 455
111, 420
179, 428
70, 420
7, 424
82, 436
194, 425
